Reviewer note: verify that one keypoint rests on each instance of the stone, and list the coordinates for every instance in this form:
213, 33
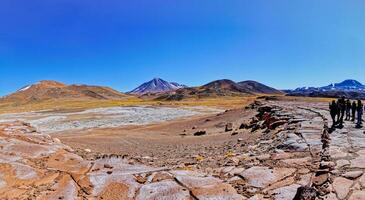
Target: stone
263, 157
353, 174
362, 180
320, 179
163, 190
280, 156
357, 195
200, 133
229, 127
56, 140
217, 191
87, 150
358, 162
257, 197
305, 180
342, 163
357, 186
327, 165
276, 124
208, 187
298, 161
108, 166
262, 177
197, 182
330, 196
342, 187
244, 126
286, 193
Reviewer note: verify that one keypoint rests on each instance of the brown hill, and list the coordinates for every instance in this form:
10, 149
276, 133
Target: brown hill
258, 88
219, 88
45, 90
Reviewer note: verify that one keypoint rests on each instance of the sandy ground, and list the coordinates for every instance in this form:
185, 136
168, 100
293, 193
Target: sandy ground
169, 143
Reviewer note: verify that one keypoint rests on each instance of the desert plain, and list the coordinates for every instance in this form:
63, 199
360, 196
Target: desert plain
267, 147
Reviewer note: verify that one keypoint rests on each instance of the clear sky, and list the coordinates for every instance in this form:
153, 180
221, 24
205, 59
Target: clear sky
122, 43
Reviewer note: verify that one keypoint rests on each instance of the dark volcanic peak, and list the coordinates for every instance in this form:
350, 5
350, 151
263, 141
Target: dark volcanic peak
223, 84
256, 87
156, 85
349, 84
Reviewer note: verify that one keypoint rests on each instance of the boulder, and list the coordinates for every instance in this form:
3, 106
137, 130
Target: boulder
276, 124
229, 127
200, 133
267, 176
342, 187
353, 174
306, 193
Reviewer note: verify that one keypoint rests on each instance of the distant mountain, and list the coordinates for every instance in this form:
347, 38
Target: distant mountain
223, 87
218, 88
348, 88
156, 85
258, 88
45, 90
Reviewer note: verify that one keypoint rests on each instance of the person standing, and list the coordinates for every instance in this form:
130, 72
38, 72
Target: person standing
348, 109
359, 113
353, 110
333, 111
342, 107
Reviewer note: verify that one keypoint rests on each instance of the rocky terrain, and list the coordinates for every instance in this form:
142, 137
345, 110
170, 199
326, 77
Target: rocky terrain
282, 150
35, 166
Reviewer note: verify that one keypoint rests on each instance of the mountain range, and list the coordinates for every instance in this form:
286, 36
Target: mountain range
155, 89
348, 88
163, 90
218, 88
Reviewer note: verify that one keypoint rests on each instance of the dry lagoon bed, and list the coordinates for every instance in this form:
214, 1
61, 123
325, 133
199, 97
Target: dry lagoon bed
52, 122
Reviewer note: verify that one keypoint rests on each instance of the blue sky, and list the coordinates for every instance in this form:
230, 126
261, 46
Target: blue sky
118, 43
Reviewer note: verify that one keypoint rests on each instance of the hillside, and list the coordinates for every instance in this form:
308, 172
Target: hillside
220, 88
258, 88
46, 90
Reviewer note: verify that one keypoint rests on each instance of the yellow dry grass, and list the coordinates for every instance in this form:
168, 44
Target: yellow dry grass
64, 105
305, 99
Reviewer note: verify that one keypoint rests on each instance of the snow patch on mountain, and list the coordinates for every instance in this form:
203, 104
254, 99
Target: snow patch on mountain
25, 88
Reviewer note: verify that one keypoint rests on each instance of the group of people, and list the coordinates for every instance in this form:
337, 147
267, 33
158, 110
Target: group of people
343, 109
